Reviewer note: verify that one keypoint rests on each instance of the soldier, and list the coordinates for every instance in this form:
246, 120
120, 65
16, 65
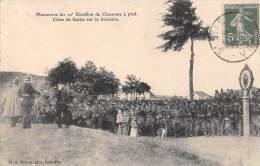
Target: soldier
62, 112
216, 95
198, 121
210, 120
221, 95
220, 117
193, 116
203, 114
189, 120
228, 129
253, 120
28, 93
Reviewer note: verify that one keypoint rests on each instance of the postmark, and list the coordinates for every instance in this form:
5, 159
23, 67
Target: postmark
236, 32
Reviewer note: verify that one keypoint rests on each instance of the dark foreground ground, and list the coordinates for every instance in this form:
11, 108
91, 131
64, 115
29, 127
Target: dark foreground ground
49, 146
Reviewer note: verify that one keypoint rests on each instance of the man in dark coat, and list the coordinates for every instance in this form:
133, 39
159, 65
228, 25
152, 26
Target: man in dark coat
62, 112
27, 93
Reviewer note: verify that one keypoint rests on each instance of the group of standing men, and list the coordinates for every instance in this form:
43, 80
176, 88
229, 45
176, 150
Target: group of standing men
185, 118
19, 102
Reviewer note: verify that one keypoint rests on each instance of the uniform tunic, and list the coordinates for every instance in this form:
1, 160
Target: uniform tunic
28, 100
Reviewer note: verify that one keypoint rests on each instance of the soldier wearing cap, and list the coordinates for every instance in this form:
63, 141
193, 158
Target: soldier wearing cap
220, 118
62, 112
189, 120
197, 119
27, 92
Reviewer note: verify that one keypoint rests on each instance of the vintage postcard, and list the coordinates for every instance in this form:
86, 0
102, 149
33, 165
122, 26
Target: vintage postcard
129, 83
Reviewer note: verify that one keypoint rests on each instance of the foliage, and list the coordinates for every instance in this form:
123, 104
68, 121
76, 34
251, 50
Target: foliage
106, 83
98, 81
65, 72
184, 24
44, 106
83, 86
134, 86
143, 87
89, 78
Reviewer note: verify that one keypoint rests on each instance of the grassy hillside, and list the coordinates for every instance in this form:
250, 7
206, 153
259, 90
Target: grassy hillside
89, 147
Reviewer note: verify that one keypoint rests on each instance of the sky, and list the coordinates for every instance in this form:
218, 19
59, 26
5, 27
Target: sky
34, 44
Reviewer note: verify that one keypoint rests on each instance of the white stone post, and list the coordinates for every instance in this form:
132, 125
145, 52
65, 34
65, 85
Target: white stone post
246, 104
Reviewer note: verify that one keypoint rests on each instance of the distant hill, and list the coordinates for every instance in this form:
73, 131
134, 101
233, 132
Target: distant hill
6, 79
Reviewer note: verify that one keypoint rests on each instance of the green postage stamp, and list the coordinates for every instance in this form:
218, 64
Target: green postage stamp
241, 24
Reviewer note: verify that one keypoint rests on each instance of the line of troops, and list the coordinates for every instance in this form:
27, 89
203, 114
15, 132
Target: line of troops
219, 116
185, 118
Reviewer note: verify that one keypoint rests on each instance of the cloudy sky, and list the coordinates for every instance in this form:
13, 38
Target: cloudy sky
33, 44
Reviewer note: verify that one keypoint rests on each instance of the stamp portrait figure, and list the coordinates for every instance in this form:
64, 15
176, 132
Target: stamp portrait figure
239, 22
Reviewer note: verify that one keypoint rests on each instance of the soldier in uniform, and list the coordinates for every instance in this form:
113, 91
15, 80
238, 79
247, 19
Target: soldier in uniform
228, 119
62, 112
204, 121
253, 120
214, 120
210, 120
27, 92
189, 119
220, 117
198, 121
239, 117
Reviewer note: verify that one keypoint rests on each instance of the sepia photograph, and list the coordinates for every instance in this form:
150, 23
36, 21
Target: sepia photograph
129, 83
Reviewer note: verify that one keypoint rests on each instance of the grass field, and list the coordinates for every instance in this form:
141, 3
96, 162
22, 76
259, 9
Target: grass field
48, 145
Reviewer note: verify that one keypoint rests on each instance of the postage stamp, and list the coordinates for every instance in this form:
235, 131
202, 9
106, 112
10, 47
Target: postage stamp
235, 34
241, 24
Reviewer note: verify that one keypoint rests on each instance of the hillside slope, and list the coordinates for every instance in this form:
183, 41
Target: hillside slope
88, 147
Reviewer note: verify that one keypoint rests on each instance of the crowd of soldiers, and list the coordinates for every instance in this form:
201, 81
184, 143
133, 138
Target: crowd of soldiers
214, 117
218, 116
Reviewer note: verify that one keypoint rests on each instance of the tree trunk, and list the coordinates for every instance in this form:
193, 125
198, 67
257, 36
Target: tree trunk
191, 71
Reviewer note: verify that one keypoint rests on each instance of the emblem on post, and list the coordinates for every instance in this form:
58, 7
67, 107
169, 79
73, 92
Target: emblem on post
246, 80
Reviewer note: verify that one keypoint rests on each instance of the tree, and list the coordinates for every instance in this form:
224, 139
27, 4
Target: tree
135, 87
87, 76
132, 83
65, 72
88, 72
106, 83
143, 87
98, 81
185, 25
